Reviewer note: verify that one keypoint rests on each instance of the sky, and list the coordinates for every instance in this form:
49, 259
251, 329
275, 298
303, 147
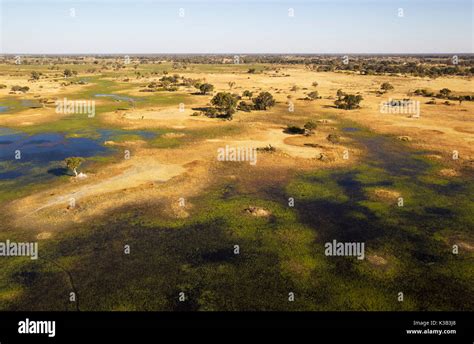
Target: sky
235, 26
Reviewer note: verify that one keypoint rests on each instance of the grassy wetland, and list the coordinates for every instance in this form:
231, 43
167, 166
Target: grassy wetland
151, 213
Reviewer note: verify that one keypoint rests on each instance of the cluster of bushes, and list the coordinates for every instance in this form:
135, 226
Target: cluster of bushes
307, 129
69, 73
347, 101
20, 89
444, 93
225, 104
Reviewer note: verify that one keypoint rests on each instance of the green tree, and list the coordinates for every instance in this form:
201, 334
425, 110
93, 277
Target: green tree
247, 94
386, 86
263, 101
73, 163
445, 92
225, 103
67, 73
206, 88
348, 101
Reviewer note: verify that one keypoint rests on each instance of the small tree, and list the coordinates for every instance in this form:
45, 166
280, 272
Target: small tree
263, 101
247, 94
35, 75
67, 73
206, 88
386, 86
73, 163
445, 92
225, 102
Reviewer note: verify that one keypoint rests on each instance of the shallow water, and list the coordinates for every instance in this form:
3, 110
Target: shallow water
116, 97
42, 154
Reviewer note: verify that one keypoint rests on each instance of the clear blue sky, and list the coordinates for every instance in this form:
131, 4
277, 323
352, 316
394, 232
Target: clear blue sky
234, 26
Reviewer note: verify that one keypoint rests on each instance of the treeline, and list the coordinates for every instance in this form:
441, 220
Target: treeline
417, 65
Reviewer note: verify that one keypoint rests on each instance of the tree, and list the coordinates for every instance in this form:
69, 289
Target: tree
313, 95
348, 101
263, 101
67, 73
386, 86
73, 163
35, 75
445, 92
247, 93
206, 88
225, 102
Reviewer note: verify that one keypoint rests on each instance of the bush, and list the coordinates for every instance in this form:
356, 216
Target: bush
225, 103
20, 88
386, 86
333, 138
244, 106
247, 94
211, 112
347, 101
263, 101
310, 125
313, 95
206, 88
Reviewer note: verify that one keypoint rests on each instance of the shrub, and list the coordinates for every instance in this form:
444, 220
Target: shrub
333, 138
347, 101
313, 95
206, 88
310, 125
263, 101
244, 106
386, 86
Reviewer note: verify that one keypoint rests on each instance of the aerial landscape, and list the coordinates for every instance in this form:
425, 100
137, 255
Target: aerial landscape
236, 181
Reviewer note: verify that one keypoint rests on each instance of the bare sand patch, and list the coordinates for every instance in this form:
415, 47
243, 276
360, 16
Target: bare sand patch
257, 211
376, 260
384, 195
44, 235
449, 172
